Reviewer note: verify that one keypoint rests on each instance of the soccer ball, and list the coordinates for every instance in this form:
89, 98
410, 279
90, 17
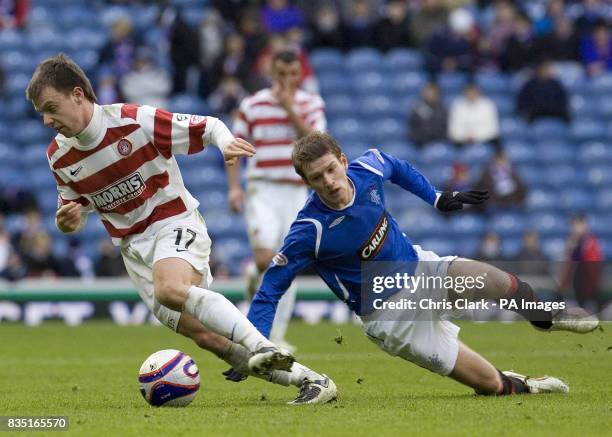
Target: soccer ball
169, 378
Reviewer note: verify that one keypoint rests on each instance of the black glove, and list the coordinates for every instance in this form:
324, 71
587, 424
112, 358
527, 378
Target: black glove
454, 200
232, 375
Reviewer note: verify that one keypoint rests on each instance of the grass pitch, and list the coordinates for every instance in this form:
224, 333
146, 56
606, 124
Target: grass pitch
89, 373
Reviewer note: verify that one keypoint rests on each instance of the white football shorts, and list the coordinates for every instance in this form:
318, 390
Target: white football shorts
185, 238
421, 337
271, 207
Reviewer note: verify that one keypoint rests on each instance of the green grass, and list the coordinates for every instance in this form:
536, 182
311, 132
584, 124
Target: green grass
89, 373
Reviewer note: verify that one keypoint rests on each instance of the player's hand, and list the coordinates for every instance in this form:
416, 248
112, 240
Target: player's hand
236, 199
454, 200
69, 217
284, 96
237, 148
232, 375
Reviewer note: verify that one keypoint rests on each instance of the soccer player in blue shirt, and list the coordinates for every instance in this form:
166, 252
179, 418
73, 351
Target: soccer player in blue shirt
345, 233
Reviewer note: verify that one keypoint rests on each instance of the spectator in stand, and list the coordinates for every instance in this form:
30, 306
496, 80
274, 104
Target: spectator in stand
39, 258
251, 30
13, 14
233, 62
490, 248
16, 199
506, 188
326, 28
146, 84
31, 226
278, 16
543, 96
584, 267
429, 18
15, 269
107, 89
593, 13
227, 97
428, 119
358, 27
502, 27
531, 260
6, 248
561, 44
596, 50
520, 46
555, 10
184, 53
118, 54
473, 118
212, 41
393, 30
453, 48
109, 262
76, 263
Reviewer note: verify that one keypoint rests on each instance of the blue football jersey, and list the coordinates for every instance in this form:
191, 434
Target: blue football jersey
336, 243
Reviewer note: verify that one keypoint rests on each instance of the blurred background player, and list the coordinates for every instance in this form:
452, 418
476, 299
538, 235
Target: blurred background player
272, 119
119, 161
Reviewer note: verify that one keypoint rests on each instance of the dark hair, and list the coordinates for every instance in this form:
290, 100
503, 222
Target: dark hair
311, 147
61, 73
285, 56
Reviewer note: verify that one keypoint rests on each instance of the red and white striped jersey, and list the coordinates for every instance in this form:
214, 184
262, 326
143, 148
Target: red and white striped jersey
265, 123
122, 165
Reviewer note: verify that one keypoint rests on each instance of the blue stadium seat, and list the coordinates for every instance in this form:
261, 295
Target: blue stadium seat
504, 103
372, 105
493, 83
323, 60
14, 108
553, 152
211, 178
548, 129
33, 131
188, 104
476, 154
452, 83
507, 224
513, 129
467, 225
571, 75
16, 84
400, 149
583, 106
354, 149
340, 105
406, 83
211, 200
604, 199
11, 40
466, 247
577, 200
17, 62
520, 152
438, 154
542, 200
560, 176
548, 224
599, 223
387, 129
554, 248
77, 16
86, 58
45, 40
587, 129
599, 175
418, 220
368, 82
595, 152
437, 174
603, 107
403, 60
364, 58
601, 84
86, 38
441, 246
334, 82
349, 129
511, 247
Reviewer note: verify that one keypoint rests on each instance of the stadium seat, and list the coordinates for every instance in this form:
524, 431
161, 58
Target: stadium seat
599, 175
601, 85
560, 176
548, 129
467, 225
520, 152
400, 149
507, 224
45, 40
188, 104
369, 81
86, 38
539, 200
387, 129
548, 224
211, 178
587, 129
365, 58
403, 60
406, 84
11, 40
354, 149
33, 131
604, 199
599, 223
555, 152
513, 129
571, 75
554, 248
87, 59
437, 154
334, 82
504, 104
595, 152
349, 129
15, 61
323, 60
493, 83
476, 154
340, 105
419, 220
372, 105
14, 108
441, 246
466, 247
603, 107
16, 84
576, 200
451, 83
511, 247
583, 106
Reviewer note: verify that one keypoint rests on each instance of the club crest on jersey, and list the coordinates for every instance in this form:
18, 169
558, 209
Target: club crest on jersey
120, 192
375, 197
376, 240
280, 260
124, 147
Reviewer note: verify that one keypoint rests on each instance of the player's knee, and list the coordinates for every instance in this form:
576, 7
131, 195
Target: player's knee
262, 262
171, 294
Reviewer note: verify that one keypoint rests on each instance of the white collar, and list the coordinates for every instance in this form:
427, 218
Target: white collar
348, 205
92, 135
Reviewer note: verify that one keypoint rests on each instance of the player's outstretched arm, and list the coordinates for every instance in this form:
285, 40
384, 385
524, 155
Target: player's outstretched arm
454, 200
237, 148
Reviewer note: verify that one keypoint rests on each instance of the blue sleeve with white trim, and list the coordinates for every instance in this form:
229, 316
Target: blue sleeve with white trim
296, 254
400, 173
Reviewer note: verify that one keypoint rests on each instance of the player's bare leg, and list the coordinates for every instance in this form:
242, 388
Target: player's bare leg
173, 279
475, 371
502, 285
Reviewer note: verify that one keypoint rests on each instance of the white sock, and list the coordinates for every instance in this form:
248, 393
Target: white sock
220, 316
284, 311
237, 357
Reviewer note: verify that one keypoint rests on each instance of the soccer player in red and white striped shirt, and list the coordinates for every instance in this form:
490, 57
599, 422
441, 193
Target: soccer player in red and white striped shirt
272, 119
118, 160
